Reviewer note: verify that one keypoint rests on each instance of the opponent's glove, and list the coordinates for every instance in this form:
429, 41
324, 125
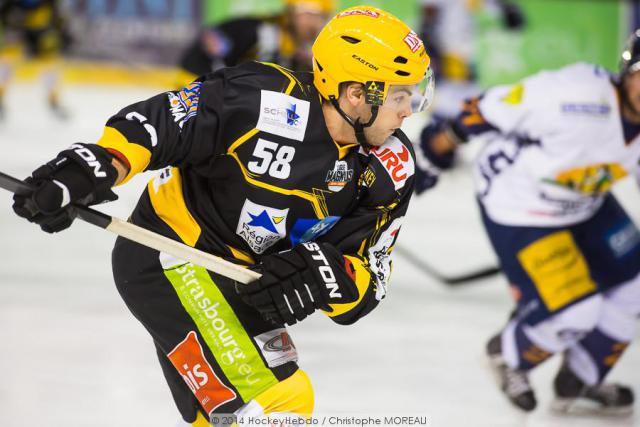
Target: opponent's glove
295, 283
427, 137
82, 174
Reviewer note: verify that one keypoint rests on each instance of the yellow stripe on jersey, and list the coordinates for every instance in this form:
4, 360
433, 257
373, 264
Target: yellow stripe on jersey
363, 281
292, 79
137, 155
241, 255
293, 395
558, 269
244, 138
167, 199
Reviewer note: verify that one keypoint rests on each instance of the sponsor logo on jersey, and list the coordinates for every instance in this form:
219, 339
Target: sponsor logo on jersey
396, 159
586, 109
380, 257
413, 41
283, 115
624, 239
188, 358
339, 176
261, 226
369, 13
308, 229
184, 104
277, 347
590, 180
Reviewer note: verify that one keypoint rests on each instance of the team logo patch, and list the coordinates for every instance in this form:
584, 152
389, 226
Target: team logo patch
396, 160
308, 229
283, 115
184, 104
413, 41
362, 12
380, 257
339, 176
188, 358
276, 347
261, 226
367, 178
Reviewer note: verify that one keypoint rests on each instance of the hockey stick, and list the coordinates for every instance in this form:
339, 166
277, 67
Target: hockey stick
146, 237
449, 280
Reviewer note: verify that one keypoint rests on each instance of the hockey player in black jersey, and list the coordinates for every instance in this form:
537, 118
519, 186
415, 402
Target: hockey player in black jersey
284, 39
303, 176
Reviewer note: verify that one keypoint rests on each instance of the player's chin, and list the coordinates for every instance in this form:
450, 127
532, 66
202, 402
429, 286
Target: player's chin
379, 138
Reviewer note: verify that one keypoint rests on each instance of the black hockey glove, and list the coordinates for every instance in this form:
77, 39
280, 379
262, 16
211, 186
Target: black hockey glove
82, 174
297, 282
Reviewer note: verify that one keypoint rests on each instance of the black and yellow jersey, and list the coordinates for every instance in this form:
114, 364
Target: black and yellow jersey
39, 22
249, 168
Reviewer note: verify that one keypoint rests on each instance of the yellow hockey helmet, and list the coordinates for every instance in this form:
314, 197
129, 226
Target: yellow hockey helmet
322, 6
367, 45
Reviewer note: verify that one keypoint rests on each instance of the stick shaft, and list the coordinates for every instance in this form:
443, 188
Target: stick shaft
449, 280
146, 237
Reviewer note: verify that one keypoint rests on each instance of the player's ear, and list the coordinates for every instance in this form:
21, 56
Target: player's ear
354, 94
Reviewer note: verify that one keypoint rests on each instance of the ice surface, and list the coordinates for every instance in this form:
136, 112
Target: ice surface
72, 355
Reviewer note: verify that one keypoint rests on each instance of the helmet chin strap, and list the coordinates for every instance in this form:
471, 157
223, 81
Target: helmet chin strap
356, 124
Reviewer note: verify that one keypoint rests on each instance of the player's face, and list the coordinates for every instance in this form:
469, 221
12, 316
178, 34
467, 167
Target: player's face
632, 94
391, 114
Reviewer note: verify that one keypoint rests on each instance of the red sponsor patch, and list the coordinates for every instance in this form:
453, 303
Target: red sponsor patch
396, 160
188, 358
413, 41
370, 13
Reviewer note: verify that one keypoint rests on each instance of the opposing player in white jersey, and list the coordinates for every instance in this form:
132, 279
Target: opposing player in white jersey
556, 143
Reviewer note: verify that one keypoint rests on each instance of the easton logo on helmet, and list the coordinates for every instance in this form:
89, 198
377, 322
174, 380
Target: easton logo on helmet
365, 62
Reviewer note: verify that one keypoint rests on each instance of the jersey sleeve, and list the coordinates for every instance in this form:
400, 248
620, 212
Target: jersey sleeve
533, 107
367, 236
175, 128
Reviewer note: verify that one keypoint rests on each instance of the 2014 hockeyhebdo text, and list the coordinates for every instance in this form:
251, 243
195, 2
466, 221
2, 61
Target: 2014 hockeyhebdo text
326, 420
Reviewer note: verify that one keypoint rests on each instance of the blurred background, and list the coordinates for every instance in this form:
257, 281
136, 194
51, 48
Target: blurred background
72, 355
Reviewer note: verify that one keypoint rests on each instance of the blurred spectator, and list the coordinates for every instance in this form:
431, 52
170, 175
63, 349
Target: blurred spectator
284, 39
448, 28
40, 29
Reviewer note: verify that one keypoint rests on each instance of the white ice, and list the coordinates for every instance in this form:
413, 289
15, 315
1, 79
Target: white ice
72, 355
